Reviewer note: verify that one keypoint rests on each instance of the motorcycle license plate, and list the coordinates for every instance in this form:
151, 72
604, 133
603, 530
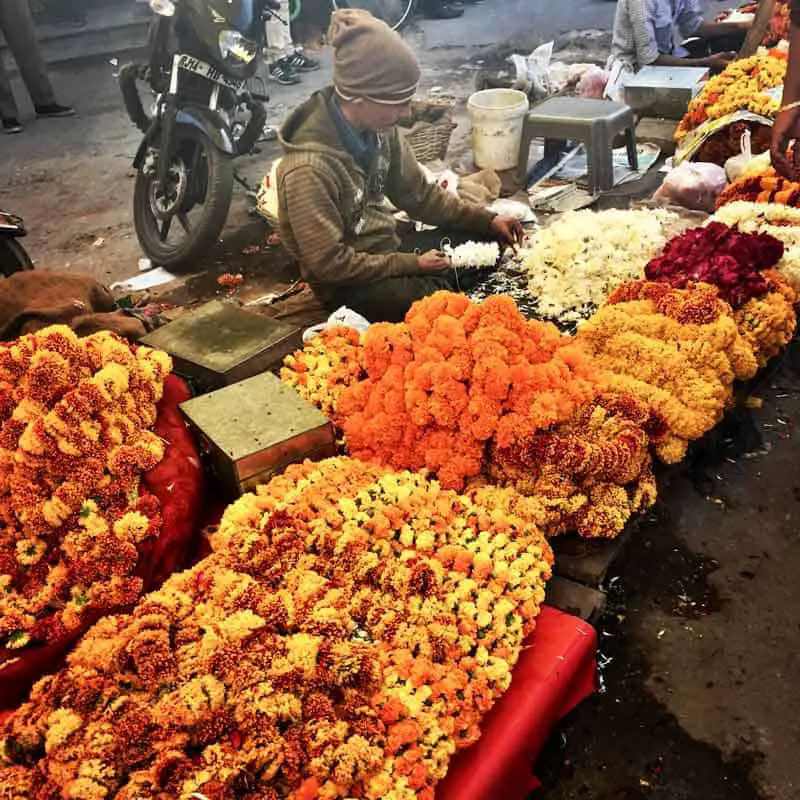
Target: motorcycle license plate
198, 67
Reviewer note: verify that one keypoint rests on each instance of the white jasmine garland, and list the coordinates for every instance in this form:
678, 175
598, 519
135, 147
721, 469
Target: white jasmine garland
473, 254
578, 260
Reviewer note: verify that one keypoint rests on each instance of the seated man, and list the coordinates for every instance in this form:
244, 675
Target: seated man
343, 158
646, 33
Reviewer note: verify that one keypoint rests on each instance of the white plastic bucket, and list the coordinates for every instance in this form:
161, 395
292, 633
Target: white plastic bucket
497, 117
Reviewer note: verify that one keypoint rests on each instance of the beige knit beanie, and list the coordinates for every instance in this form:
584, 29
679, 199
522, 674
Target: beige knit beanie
371, 61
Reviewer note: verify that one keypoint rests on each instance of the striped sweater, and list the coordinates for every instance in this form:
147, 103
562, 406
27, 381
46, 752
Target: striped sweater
333, 215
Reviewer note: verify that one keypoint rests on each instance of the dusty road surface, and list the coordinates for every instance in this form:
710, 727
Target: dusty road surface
71, 179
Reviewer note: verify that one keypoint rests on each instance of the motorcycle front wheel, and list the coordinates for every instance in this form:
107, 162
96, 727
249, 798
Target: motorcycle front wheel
177, 227
13, 258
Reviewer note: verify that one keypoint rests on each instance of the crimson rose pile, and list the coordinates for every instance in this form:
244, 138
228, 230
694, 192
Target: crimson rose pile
344, 639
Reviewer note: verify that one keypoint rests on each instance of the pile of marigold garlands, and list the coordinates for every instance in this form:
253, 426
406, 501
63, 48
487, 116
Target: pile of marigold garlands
74, 441
344, 640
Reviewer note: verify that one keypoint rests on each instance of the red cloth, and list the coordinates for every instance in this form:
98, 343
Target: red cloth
178, 484
555, 673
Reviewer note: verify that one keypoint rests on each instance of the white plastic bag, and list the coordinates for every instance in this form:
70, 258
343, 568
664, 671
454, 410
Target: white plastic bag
342, 317
695, 186
533, 71
737, 166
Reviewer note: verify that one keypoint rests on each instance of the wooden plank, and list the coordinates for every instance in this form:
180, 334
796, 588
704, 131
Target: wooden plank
576, 599
587, 560
759, 29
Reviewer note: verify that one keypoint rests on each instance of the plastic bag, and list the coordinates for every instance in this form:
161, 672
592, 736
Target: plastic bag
695, 186
592, 83
533, 71
343, 317
736, 165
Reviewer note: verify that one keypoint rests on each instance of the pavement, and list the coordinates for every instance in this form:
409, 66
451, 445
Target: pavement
700, 646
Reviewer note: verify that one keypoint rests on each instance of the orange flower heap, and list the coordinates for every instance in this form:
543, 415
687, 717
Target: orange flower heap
589, 474
677, 350
455, 376
325, 367
343, 640
74, 440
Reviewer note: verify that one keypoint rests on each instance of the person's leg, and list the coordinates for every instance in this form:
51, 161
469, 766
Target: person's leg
8, 106
279, 46
389, 300
16, 22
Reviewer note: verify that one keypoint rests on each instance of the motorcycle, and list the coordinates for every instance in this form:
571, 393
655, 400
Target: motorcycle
201, 56
13, 257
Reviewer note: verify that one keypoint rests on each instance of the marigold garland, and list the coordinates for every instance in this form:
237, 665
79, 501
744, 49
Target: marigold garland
344, 640
587, 475
677, 350
455, 376
741, 86
764, 186
74, 440
769, 323
328, 364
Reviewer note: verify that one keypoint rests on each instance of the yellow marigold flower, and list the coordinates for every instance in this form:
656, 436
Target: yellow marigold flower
132, 526
61, 724
240, 625
30, 551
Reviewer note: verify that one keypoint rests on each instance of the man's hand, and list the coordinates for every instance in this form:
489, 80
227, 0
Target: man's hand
508, 229
786, 128
433, 261
720, 60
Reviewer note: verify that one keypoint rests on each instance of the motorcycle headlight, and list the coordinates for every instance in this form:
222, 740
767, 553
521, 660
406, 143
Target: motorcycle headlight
235, 48
165, 8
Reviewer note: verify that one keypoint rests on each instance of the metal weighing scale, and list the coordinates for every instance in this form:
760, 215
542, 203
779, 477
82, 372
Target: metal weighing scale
664, 92
219, 343
254, 429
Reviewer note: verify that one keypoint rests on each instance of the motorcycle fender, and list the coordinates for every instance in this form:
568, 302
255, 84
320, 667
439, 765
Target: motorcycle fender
210, 123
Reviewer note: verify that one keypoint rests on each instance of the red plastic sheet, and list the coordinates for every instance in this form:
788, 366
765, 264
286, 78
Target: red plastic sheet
555, 673
178, 484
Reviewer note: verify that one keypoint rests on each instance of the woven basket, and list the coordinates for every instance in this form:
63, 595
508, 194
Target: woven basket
429, 130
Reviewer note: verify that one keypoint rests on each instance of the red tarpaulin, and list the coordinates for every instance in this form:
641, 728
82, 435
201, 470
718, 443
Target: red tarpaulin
552, 676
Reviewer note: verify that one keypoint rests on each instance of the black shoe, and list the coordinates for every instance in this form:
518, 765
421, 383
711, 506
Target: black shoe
283, 74
301, 62
12, 125
444, 11
54, 110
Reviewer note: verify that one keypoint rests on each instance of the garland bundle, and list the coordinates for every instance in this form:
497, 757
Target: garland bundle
763, 187
456, 376
719, 255
75, 416
741, 86
678, 351
344, 640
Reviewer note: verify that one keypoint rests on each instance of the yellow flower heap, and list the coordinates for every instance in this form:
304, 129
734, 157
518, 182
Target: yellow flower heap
741, 86
328, 364
589, 474
678, 350
344, 640
456, 376
74, 440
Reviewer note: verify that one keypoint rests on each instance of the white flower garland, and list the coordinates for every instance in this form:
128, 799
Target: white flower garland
473, 255
578, 260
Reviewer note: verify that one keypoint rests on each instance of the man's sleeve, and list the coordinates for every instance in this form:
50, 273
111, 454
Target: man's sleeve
644, 38
410, 190
310, 209
690, 19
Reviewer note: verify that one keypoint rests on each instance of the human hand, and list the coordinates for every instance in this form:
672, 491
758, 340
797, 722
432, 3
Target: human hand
433, 261
786, 128
508, 229
720, 60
